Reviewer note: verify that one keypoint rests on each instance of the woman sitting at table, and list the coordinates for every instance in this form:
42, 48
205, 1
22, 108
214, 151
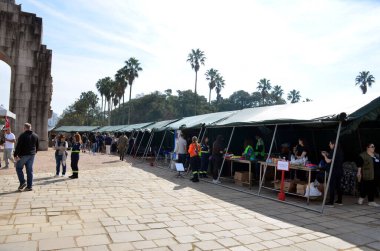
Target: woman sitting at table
300, 152
248, 150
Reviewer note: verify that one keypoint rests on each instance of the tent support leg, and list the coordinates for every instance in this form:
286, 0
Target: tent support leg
331, 166
159, 149
224, 159
147, 146
134, 143
139, 145
265, 167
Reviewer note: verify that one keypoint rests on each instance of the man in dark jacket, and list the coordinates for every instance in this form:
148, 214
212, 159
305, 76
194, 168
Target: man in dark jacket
26, 149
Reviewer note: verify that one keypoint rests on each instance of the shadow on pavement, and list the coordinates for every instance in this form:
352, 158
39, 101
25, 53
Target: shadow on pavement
351, 222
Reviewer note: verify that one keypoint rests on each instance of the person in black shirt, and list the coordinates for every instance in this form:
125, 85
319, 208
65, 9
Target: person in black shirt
337, 173
26, 149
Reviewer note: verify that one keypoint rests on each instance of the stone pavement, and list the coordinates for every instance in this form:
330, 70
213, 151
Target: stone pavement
129, 205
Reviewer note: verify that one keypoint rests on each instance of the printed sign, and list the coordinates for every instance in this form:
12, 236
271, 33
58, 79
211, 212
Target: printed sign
283, 165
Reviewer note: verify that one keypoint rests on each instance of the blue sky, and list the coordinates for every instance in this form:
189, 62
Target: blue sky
316, 47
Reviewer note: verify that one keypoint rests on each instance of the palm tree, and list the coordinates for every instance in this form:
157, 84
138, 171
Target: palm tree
219, 85
364, 79
131, 71
108, 94
294, 96
100, 88
277, 94
264, 86
122, 82
211, 76
196, 57
118, 90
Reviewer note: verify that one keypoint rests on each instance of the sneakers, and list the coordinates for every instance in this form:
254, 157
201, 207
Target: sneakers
73, 177
22, 187
216, 181
329, 204
28, 189
373, 204
360, 201
339, 203
63, 175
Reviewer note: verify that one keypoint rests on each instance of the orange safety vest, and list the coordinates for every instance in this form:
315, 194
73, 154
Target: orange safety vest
194, 149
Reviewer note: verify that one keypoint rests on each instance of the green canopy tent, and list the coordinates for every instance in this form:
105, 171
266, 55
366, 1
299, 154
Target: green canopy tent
309, 113
151, 129
196, 122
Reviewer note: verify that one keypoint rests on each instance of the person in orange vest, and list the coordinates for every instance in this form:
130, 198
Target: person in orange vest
194, 150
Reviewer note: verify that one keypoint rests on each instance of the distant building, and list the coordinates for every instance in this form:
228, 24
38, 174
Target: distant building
53, 121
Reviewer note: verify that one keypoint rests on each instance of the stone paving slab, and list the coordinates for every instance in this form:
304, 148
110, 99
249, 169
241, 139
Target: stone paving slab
129, 205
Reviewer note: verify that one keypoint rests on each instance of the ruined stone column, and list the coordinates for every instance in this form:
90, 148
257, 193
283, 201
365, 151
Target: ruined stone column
30, 62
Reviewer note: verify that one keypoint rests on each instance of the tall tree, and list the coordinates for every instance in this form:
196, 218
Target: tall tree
219, 85
100, 88
196, 58
108, 94
131, 69
276, 95
211, 75
364, 79
264, 86
294, 96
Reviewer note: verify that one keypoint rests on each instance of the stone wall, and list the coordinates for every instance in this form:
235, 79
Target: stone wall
30, 62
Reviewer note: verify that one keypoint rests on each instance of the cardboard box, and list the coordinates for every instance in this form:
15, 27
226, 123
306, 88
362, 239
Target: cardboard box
241, 176
289, 185
301, 188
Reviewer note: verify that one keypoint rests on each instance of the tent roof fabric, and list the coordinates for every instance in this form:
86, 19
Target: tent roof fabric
301, 112
5, 113
75, 128
130, 128
199, 120
110, 128
158, 125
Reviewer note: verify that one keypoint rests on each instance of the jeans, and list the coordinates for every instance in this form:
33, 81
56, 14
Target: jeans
28, 161
58, 161
8, 156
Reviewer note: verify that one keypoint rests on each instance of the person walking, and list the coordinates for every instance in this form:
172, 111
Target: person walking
26, 149
75, 150
366, 163
194, 150
9, 142
205, 155
108, 142
122, 144
61, 146
218, 149
181, 149
336, 175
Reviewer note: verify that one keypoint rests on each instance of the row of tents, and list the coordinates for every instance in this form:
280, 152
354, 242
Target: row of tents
361, 109
352, 122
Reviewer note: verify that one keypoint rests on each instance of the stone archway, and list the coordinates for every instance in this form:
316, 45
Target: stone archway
30, 62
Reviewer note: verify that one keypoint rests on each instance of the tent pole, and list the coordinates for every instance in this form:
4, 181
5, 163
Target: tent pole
200, 133
139, 144
147, 146
265, 166
224, 159
159, 149
204, 134
134, 142
331, 167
